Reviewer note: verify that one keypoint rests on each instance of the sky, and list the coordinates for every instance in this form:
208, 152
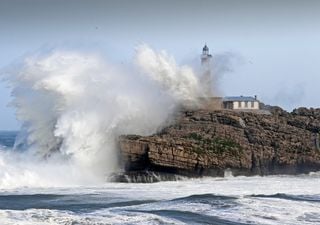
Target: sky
272, 47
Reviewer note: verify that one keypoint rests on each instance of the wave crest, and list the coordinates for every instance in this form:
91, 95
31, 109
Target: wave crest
74, 105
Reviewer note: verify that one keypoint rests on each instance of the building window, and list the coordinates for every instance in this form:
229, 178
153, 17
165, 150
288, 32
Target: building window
239, 104
246, 104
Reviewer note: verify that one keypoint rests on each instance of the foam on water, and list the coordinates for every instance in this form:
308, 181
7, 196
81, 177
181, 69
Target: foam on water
234, 200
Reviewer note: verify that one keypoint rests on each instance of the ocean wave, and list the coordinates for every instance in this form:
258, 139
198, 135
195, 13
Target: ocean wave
73, 203
306, 198
57, 217
206, 197
192, 218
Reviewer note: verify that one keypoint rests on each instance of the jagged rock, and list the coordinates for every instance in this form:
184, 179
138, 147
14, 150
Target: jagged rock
143, 177
204, 142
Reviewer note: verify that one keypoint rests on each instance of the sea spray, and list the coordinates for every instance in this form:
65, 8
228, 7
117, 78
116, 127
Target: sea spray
74, 105
180, 82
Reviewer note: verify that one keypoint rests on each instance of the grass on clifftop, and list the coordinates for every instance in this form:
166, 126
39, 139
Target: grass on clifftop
216, 145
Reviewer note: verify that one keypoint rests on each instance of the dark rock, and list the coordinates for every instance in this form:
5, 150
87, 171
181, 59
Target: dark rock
143, 177
204, 142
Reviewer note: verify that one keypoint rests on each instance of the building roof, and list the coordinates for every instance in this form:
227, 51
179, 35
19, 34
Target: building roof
239, 99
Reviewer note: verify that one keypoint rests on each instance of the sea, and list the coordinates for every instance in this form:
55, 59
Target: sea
227, 201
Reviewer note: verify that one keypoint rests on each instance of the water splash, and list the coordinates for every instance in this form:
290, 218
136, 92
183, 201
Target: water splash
74, 105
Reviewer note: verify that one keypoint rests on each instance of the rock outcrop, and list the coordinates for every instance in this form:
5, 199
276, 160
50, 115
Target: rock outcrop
203, 142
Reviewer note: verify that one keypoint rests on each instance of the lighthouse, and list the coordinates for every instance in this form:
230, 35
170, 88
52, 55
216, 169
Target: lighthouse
205, 57
206, 71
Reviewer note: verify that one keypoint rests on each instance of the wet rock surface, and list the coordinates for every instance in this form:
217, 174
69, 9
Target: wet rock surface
206, 143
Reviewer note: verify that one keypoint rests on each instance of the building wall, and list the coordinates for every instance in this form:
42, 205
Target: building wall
235, 105
228, 105
244, 105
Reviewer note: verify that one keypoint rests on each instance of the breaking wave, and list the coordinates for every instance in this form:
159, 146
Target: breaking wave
73, 106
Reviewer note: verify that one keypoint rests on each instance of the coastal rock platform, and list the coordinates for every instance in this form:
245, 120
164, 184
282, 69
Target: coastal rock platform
207, 143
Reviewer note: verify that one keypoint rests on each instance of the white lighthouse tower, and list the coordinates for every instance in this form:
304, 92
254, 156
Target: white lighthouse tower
206, 68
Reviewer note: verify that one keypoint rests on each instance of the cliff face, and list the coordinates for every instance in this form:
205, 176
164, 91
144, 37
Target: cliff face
203, 142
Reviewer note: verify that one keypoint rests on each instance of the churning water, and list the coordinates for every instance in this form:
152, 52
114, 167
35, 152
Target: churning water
240, 200
230, 200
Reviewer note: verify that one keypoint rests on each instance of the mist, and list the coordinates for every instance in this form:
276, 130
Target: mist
74, 105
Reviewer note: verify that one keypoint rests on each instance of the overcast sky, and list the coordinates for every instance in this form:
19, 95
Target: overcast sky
275, 44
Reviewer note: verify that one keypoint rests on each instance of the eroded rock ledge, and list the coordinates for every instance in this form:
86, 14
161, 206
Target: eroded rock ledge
203, 142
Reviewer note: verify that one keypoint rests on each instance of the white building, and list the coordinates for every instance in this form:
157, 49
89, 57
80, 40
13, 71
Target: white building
206, 71
241, 103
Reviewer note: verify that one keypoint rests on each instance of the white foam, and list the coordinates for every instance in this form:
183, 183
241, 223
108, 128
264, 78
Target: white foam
54, 217
74, 105
257, 210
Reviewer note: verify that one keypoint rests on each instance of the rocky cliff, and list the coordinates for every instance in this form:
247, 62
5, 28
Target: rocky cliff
203, 142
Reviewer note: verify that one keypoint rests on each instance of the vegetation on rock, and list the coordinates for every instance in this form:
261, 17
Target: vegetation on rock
203, 142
